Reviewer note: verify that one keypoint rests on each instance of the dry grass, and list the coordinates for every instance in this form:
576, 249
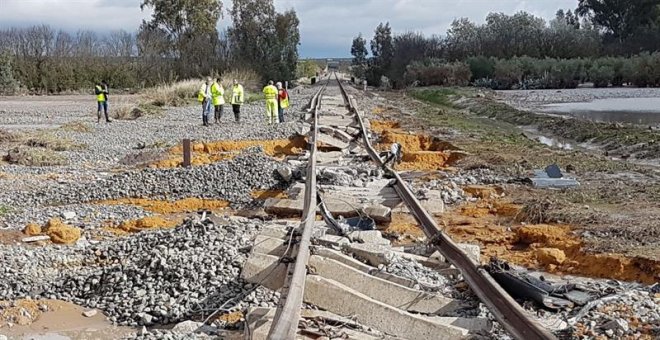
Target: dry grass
77, 127
30, 156
184, 92
7, 136
50, 142
175, 94
248, 78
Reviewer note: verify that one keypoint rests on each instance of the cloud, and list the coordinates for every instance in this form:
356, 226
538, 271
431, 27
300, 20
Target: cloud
327, 27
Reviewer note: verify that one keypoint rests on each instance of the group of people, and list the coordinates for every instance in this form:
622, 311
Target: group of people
212, 97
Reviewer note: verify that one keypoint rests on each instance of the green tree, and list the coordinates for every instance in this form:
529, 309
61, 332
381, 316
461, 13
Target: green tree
621, 18
359, 53
264, 40
8, 85
190, 29
382, 49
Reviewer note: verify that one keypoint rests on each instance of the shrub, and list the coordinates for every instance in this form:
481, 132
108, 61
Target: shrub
601, 74
8, 84
507, 73
481, 67
436, 72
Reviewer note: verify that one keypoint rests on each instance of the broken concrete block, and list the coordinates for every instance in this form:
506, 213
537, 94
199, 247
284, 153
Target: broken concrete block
266, 270
377, 254
342, 300
269, 246
382, 290
258, 322
333, 241
379, 212
472, 250
368, 236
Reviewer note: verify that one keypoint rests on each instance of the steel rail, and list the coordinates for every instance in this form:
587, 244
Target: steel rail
287, 316
506, 310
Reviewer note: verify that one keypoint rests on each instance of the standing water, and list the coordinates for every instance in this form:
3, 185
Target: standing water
643, 111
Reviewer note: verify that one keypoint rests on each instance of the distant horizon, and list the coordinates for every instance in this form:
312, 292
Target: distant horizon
317, 18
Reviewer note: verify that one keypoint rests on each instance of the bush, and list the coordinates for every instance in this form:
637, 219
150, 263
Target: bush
481, 67
507, 73
436, 72
8, 84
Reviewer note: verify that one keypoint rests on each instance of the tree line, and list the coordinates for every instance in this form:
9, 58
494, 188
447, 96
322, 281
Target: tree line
595, 42
179, 41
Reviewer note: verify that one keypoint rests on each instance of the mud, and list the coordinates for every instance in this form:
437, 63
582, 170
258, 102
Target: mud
211, 152
420, 152
185, 205
55, 319
145, 223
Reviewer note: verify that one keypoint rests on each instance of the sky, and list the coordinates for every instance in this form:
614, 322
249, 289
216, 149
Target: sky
327, 27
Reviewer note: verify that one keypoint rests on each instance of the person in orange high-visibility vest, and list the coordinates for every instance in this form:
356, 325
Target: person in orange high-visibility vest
270, 93
282, 101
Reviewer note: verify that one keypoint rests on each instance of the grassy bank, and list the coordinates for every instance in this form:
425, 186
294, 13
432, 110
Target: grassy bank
622, 140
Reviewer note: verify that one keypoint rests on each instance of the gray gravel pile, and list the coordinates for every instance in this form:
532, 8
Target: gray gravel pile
426, 278
355, 175
157, 277
232, 180
80, 215
611, 316
450, 183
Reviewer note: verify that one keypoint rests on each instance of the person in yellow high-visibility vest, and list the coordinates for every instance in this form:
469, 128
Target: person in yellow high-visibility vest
270, 93
237, 95
282, 101
218, 98
101, 92
205, 98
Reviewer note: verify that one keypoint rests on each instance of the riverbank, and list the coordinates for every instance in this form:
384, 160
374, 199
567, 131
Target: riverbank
612, 216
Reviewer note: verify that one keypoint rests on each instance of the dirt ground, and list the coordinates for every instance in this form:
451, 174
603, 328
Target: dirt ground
610, 224
54, 319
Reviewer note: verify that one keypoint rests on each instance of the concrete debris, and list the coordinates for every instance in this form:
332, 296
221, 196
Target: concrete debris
69, 215
89, 313
368, 236
35, 238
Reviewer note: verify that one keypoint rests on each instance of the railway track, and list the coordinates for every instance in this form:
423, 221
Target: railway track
329, 108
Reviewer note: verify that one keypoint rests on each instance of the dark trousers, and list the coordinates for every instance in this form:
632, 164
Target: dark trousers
280, 114
237, 112
218, 113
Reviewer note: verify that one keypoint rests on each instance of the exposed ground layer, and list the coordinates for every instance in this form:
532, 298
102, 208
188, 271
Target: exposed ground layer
420, 152
171, 207
211, 152
608, 227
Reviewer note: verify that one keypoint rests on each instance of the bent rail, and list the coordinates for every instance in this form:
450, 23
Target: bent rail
505, 309
285, 324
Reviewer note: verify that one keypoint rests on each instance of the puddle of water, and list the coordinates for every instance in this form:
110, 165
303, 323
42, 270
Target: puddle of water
532, 133
625, 110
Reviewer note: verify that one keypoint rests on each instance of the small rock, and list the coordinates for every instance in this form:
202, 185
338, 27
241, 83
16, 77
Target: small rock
69, 215
186, 327
616, 324
89, 313
548, 256
285, 172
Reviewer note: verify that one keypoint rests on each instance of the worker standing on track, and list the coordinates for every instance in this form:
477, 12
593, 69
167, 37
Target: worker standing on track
270, 93
218, 94
282, 101
237, 100
205, 98
101, 91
